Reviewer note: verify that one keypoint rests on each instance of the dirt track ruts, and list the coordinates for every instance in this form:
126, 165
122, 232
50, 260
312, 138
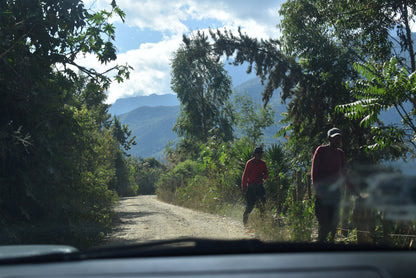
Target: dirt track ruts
145, 218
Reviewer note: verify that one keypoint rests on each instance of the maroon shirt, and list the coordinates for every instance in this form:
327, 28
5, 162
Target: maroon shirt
254, 173
328, 166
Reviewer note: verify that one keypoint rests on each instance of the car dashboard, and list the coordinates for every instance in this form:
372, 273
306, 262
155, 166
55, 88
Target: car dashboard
177, 262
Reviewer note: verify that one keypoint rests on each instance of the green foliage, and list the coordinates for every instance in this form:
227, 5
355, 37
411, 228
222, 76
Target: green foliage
339, 36
57, 153
244, 148
317, 62
277, 184
252, 119
122, 181
275, 154
264, 56
147, 174
208, 184
122, 133
383, 87
185, 149
177, 177
203, 88
299, 216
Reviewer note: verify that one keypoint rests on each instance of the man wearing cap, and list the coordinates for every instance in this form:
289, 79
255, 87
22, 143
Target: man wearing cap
254, 175
328, 175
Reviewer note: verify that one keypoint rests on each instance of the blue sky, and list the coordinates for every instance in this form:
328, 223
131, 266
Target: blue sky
153, 31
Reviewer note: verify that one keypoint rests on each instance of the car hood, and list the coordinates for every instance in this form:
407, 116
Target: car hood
20, 251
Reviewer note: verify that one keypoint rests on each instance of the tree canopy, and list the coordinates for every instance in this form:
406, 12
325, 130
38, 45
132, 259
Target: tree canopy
203, 88
315, 59
57, 153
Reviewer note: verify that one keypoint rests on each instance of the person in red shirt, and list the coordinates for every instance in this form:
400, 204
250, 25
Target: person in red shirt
328, 175
254, 175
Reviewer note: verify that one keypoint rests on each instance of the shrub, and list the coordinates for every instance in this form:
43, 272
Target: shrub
176, 178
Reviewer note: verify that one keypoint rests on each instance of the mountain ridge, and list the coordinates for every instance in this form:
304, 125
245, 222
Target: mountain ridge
152, 124
152, 127
124, 105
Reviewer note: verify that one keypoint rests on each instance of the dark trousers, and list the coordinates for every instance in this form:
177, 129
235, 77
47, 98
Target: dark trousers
255, 194
328, 218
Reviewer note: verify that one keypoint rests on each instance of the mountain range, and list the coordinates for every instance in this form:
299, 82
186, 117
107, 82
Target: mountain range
151, 118
152, 127
124, 105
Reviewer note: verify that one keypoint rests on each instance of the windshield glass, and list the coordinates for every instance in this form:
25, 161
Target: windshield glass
125, 122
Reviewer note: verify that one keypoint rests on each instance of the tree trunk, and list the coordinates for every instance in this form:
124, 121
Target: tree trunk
409, 41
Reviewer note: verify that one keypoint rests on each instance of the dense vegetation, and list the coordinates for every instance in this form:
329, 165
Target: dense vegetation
338, 64
62, 158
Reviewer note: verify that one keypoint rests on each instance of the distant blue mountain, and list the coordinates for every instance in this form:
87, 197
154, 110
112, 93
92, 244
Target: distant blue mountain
152, 124
238, 75
124, 105
152, 127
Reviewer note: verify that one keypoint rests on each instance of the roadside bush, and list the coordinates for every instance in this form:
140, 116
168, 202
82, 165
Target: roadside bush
176, 178
213, 184
123, 182
147, 173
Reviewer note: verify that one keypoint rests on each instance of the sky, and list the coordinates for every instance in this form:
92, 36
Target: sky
153, 30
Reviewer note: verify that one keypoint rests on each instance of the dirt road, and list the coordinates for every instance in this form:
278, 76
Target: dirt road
145, 218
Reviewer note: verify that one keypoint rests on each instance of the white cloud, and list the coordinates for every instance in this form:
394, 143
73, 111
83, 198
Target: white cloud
169, 16
151, 61
157, 15
151, 74
257, 18
151, 69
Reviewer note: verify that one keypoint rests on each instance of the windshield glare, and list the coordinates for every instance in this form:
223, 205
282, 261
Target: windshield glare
284, 121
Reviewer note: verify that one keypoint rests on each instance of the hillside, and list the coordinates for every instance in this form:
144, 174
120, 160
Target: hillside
253, 88
152, 123
124, 105
152, 127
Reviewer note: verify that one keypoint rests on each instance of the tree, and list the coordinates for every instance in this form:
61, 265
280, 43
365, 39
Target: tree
251, 119
385, 81
122, 133
384, 87
203, 88
312, 62
92, 96
55, 154
122, 182
148, 173
272, 65
265, 56
326, 54
359, 31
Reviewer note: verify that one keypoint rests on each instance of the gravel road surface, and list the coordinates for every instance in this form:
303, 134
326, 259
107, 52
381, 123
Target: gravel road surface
145, 218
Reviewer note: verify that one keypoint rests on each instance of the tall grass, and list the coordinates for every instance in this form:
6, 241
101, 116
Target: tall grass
212, 184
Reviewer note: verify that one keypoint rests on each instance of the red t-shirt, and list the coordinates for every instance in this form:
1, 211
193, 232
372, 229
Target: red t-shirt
254, 173
328, 165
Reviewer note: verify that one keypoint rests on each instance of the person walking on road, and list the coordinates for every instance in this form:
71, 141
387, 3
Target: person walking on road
255, 173
328, 175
